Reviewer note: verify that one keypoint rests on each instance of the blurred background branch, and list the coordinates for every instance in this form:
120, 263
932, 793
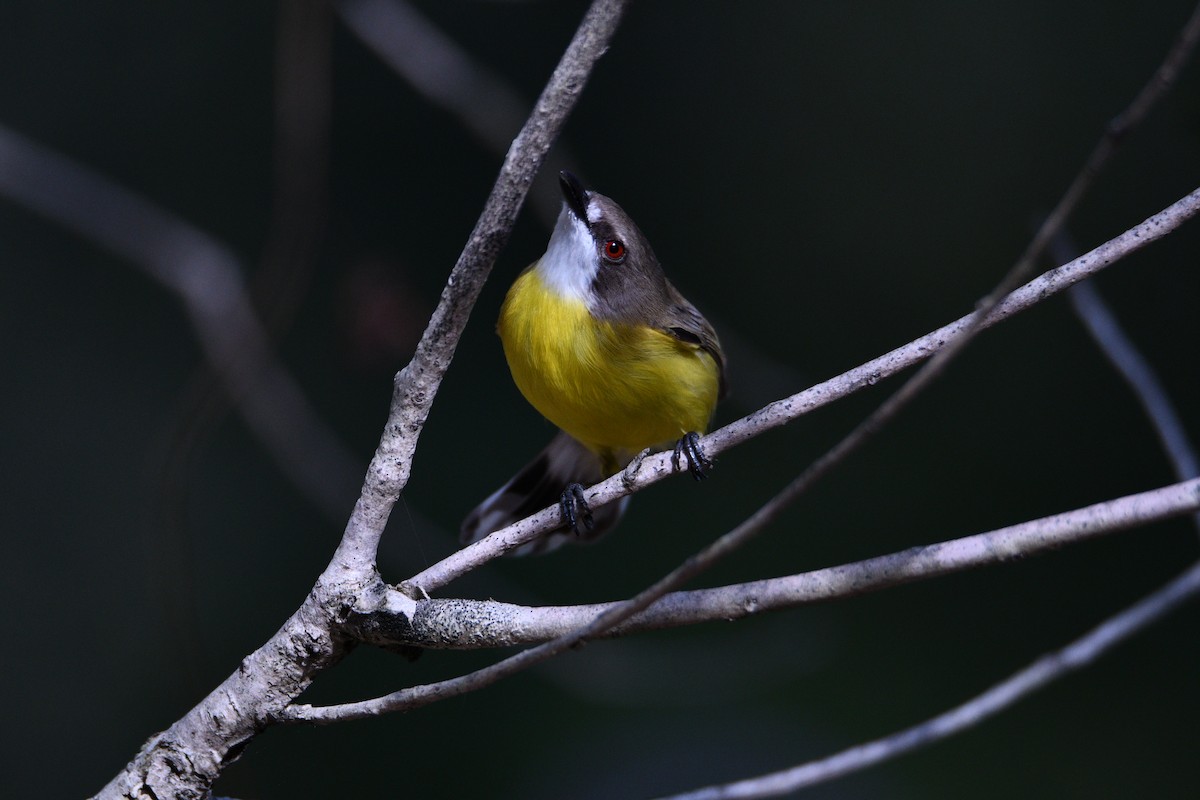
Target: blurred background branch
1097, 316
207, 279
448, 76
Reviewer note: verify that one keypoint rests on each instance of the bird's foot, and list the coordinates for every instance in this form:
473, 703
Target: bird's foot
575, 509
689, 447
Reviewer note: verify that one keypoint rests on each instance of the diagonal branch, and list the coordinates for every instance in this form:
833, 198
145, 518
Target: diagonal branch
821, 585
476, 624
658, 466
1045, 670
1084, 650
1091, 646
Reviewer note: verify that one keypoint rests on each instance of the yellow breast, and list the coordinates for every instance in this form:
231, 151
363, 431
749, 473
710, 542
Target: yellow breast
614, 387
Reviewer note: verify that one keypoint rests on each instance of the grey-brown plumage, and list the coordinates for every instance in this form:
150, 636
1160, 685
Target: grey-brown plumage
638, 293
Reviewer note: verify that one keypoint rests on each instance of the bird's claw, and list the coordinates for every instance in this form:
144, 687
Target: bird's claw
697, 462
575, 509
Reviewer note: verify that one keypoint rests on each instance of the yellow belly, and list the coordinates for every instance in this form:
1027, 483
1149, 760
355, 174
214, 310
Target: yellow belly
618, 389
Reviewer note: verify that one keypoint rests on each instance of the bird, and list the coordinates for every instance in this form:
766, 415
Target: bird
604, 347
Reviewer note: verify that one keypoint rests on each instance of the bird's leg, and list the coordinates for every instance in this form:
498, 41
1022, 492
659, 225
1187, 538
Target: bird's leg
575, 509
689, 447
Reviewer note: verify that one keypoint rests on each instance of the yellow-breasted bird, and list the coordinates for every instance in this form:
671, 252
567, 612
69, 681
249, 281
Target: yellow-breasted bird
601, 343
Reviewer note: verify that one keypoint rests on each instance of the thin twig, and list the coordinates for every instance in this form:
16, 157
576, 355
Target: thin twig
1081, 652
658, 466
1102, 324
1158, 84
1048, 668
476, 624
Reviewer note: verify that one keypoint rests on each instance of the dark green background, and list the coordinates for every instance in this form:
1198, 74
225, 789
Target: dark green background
825, 180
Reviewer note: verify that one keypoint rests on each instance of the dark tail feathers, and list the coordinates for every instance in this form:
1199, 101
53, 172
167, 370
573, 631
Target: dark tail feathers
539, 484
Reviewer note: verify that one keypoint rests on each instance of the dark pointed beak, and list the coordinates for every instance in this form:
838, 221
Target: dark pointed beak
575, 195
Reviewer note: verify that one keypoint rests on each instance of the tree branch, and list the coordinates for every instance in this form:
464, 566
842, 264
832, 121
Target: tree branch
657, 466
1048, 668
475, 624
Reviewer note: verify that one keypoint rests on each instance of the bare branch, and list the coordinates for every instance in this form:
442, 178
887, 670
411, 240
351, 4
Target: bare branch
847, 580
1126, 121
658, 466
1159, 84
476, 624
1048, 668
1000, 295
1116, 345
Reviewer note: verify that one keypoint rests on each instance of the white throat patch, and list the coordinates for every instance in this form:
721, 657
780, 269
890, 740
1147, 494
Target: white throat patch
569, 264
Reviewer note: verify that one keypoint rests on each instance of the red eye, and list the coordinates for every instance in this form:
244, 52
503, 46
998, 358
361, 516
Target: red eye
614, 250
